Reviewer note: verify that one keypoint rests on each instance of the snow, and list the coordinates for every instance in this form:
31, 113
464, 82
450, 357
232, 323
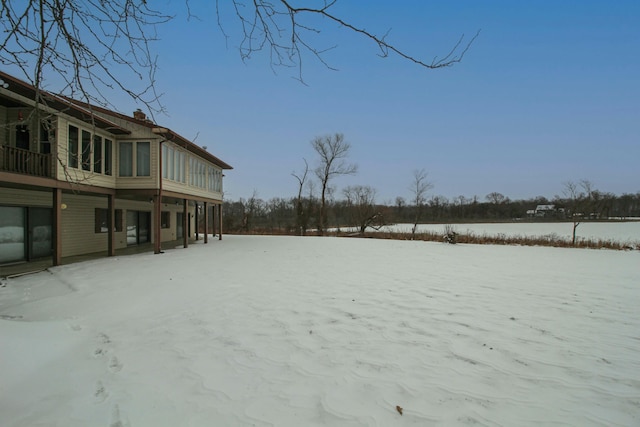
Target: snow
293, 331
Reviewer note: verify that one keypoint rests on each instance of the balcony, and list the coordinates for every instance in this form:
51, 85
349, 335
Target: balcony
17, 160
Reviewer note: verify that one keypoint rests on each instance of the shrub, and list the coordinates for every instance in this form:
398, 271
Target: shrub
450, 234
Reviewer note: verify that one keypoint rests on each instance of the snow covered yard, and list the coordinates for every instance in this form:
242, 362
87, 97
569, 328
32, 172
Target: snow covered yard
290, 331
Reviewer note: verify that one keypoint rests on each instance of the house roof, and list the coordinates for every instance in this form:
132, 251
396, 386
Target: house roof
57, 103
545, 207
170, 135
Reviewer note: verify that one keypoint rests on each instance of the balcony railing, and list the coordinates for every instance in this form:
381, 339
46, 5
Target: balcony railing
26, 162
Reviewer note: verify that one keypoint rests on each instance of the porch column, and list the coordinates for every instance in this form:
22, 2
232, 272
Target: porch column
197, 220
213, 219
206, 223
157, 226
185, 223
220, 221
111, 224
56, 257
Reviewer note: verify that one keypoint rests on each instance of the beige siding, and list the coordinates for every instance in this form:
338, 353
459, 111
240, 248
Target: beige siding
78, 218
178, 187
62, 138
168, 234
15, 197
78, 225
201, 192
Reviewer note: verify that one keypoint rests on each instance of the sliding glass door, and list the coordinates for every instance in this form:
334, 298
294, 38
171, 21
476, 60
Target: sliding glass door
12, 234
25, 233
138, 227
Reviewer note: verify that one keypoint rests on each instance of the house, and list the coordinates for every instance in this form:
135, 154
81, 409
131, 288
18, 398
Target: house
544, 211
77, 179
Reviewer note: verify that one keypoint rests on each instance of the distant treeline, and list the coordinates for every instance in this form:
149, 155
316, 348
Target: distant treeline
300, 215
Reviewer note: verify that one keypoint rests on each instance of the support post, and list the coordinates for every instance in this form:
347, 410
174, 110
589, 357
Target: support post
206, 223
157, 244
213, 219
56, 257
220, 221
157, 224
197, 220
185, 223
111, 224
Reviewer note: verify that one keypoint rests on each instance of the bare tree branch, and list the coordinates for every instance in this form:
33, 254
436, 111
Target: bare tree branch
93, 46
279, 27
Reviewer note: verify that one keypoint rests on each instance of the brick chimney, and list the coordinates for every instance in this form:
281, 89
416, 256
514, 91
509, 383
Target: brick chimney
139, 115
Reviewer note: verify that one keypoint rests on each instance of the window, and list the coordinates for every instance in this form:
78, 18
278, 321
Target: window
126, 159
22, 137
204, 176
107, 156
45, 145
73, 147
165, 221
86, 150
143, 159
102, 220
215, 179
180, 167
173, 164
165, 154
97, 154
134, 158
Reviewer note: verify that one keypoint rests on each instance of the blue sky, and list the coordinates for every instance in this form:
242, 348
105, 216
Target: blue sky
549, 92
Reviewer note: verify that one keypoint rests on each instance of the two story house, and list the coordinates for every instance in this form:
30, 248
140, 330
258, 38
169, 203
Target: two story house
78, 179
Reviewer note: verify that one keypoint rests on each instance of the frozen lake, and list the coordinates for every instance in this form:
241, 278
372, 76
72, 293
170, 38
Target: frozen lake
623, 231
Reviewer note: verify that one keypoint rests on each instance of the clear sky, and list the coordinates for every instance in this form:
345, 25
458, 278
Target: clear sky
549, 92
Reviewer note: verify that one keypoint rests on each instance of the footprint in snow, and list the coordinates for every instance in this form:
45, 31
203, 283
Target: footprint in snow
115, 365
118, 419
101, 393
75, 327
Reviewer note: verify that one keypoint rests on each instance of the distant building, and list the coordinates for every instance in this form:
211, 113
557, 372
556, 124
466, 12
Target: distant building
545, 211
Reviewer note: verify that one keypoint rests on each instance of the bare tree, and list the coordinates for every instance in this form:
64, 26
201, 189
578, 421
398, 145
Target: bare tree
301, 223
361, 204
419, 188
333, 151
574, 195
495, 198
252, 208
584, 200
438, 205
587, 186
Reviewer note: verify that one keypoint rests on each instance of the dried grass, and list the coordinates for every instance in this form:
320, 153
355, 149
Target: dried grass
552, 240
